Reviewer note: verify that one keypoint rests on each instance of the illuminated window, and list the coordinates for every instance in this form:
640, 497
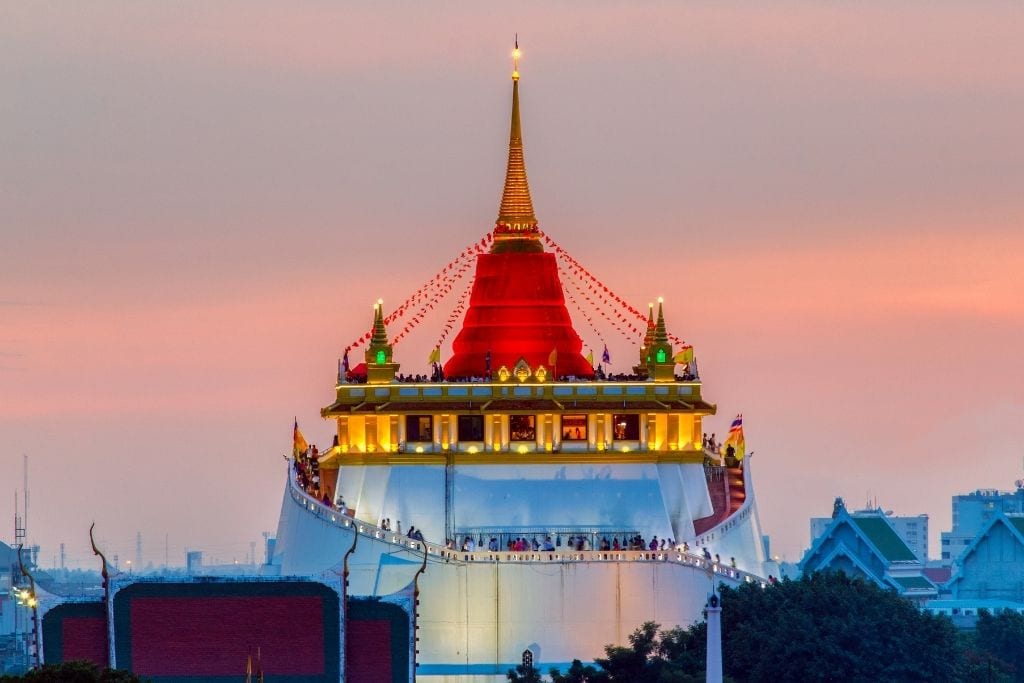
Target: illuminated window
471, 427
574, 428
661, 356
522, 427
626, 427
381, 357
419, 428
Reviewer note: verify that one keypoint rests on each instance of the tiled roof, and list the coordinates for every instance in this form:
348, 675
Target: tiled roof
938, 574
885, 539
913, 582
1017, 521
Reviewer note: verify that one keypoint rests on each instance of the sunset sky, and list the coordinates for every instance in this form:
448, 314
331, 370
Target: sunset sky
200, 201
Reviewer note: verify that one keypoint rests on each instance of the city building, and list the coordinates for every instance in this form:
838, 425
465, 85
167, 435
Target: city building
972, 512
988, 574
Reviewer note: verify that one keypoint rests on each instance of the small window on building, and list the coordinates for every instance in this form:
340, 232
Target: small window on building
381, 357
528, 658
626, 427
419, 428
471, 427
522, 427
574, 428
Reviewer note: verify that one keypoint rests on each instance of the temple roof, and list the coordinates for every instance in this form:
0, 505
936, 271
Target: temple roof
885, 538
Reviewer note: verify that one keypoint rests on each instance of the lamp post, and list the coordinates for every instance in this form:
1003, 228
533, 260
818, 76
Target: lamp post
28, 599
713, 615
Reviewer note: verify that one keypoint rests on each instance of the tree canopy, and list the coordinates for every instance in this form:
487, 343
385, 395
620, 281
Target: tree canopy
823, 627
72, 672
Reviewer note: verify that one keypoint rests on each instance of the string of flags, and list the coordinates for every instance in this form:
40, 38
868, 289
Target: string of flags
453, 317
603, 293
425, 298
625, 318
586, 297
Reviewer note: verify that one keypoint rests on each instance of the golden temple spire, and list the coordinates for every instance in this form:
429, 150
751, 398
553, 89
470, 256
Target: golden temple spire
380, 366
649, 334
660, 333
516, 220
380, 333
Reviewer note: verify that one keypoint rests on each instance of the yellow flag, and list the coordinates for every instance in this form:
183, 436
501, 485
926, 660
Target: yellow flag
735, 439
299, 445
435, 355
590, 357
684, 356
553, 357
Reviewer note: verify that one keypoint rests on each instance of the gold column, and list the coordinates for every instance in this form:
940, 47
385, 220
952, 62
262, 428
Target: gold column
394, 435
672, 437
371, 434
343, 442
445, 432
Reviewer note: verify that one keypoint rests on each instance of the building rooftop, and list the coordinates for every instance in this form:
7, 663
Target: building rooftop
888, 542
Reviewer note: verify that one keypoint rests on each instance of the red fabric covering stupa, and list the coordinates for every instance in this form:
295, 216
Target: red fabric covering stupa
517, 306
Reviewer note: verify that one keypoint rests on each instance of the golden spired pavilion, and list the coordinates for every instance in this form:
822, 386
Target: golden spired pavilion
557, 508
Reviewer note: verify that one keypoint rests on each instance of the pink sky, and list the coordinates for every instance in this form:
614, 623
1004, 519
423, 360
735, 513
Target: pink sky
199, 203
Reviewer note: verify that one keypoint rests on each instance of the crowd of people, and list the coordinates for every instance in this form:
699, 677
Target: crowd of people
572, 542
307, 473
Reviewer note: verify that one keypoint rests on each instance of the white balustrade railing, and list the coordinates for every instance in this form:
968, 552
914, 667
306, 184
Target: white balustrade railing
335, 517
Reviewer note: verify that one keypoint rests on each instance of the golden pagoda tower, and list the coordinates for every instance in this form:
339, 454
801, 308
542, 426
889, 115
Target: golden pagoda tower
379, 366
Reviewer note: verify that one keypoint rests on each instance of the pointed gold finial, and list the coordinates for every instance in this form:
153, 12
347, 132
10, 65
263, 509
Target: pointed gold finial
516, 227
660, 333
515, 60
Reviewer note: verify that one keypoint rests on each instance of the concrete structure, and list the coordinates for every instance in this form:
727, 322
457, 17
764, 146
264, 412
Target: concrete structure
867, 545
972, 512
912, 529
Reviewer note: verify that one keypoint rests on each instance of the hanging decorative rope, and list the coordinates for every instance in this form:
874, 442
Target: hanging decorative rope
431, 291
583, 295
457, 312
601, 292
431, 303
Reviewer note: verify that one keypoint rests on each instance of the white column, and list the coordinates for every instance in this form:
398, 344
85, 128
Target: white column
714, 621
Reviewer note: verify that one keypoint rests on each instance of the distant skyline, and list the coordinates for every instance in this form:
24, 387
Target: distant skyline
199, 202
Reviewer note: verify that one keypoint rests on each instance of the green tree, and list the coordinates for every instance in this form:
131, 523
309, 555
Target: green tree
831, 627
73, 672
997, 645
578, 673
524, 673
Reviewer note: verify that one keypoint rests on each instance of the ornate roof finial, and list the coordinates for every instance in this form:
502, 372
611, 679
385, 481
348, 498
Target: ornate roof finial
516, 220
380, 333
515, 60
660, 333
649, 333
380, 367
